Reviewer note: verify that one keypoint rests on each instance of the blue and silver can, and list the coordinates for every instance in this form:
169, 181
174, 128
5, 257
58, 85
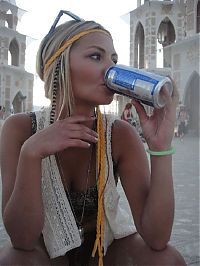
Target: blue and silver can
139, 84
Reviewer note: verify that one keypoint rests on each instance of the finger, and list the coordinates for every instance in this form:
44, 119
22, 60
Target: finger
78, 143
82, 140
140, 111
170, 107
165, 94
85, 136
81, 128
159, 113
79, 119
175, 93
78, 131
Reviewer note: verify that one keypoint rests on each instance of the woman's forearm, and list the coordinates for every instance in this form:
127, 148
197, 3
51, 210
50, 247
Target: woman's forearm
157, 219
23, 214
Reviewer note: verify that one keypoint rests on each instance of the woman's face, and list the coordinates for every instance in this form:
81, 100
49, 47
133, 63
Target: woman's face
90, 57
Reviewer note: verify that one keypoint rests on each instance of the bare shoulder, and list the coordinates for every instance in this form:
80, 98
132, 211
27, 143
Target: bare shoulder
17, 126
125, 140
121, 126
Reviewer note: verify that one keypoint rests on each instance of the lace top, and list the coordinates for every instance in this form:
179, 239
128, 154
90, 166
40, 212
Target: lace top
77, 199
33, 122
91, 206
60, 231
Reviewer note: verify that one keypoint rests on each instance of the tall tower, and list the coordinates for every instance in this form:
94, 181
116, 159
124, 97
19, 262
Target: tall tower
16, 84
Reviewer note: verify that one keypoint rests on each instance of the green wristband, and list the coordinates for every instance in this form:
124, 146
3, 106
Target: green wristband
160, 153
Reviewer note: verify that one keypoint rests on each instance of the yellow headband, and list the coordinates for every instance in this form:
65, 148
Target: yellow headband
69, 42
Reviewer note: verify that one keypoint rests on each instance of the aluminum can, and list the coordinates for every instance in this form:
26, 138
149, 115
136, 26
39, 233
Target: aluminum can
139, 84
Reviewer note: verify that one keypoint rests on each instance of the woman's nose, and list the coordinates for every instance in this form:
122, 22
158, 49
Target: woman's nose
108, 64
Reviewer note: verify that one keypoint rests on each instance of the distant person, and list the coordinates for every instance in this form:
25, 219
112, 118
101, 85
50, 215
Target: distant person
183, 119
60, 165
2, 112
127, 114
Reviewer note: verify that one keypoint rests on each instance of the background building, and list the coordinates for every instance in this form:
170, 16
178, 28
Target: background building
16, 84
165, 38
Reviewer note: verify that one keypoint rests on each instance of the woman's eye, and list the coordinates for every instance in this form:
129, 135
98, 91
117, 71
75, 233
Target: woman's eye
96, 56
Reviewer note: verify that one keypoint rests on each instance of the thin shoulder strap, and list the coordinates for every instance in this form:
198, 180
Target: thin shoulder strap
33, 122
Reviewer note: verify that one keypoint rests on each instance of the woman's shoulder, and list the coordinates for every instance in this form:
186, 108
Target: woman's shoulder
19, 119
18, 126
23, 122
121, 131
125, 139
119, 126
122, 128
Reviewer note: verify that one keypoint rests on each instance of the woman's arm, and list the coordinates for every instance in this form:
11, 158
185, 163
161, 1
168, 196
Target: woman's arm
21, 156
150, 193
21, 179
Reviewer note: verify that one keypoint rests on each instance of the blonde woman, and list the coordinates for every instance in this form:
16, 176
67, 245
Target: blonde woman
60, 166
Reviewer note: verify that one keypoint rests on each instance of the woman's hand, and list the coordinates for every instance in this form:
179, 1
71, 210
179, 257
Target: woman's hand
62, 134
158, 129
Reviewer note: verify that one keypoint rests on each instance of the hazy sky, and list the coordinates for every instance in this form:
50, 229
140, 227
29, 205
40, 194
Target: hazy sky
40, 15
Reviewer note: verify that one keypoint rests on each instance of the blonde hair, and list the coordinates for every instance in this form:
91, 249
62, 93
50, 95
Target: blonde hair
48, 48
